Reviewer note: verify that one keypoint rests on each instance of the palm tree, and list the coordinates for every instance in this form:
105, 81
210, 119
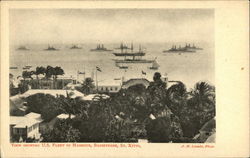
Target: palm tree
71, 105
203, 94
58, 71
177, 97
88, 86
40, 70
27, 74
202, 104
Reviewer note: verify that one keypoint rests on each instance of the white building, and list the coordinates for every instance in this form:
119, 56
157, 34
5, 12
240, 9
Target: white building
109, 86
23, 127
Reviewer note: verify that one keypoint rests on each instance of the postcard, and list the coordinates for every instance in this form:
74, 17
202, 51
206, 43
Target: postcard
124, 79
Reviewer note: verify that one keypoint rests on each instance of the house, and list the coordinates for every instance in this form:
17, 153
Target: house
24, 127
109, 86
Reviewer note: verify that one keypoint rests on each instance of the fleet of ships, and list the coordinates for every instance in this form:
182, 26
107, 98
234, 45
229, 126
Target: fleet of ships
128, 54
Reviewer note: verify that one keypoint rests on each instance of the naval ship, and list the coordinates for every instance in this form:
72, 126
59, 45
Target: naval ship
100, 48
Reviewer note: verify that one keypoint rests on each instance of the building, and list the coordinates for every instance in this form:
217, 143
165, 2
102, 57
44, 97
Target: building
135, 81
24, 127
109, 86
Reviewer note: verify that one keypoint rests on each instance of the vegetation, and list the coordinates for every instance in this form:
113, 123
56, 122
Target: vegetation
87, 86
153, 113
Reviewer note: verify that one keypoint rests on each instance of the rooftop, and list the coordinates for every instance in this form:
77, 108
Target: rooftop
94, 97
54, 92
65, 116
27, 120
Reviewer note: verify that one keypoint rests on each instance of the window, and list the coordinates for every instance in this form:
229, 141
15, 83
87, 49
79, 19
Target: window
116, 88
111, 88
107, 89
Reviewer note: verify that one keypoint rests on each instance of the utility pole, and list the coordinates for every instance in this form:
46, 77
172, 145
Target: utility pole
96, 81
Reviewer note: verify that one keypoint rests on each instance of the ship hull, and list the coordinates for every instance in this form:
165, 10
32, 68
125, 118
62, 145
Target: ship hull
179, 51
95, 50
134, 61
129, 54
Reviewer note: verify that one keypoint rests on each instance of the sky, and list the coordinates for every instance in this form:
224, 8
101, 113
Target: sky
64, 26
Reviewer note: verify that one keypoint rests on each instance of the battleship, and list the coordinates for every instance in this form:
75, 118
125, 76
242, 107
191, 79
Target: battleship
122, 53
174, 49
75, 47
100, 48
50, 48
192, 47
22, 48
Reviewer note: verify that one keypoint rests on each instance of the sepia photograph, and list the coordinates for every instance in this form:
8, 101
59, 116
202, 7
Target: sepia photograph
112, 75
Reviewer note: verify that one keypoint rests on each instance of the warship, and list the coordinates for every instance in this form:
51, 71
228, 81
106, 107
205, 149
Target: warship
192, 47
75, 47
22, 48
174, 49
51, 48
100, 48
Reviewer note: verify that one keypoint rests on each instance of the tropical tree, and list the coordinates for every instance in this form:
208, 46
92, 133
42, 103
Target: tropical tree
45, 104
68, 105
58, 71
40, 71
203, 101
27, 74
176, 97
203, 94
87, 86
49, 72
63, 131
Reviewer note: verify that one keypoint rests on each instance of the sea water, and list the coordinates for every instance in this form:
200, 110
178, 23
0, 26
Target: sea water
189, 68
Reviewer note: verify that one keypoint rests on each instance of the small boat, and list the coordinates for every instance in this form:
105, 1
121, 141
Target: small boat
13, 67
26, 68
121, 66
51, 48
75, 47
154, 66
133, 61
22, 48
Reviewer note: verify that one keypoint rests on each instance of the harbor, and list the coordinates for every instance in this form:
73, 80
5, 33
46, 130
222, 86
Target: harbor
171, 63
